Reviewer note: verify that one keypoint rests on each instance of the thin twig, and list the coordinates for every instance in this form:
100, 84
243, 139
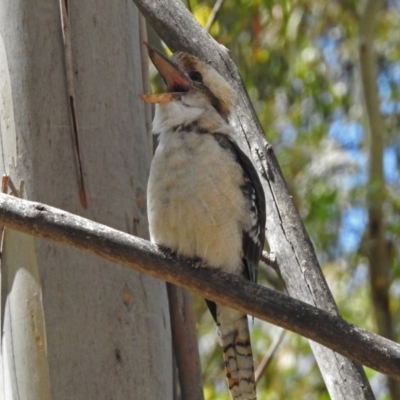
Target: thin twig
270, 259
270, 354
66, 30
213, 15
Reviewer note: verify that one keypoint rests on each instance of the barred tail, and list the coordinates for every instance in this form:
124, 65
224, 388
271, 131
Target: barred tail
235, 341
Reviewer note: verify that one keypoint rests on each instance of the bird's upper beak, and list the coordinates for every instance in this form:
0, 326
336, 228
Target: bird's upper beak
177, 81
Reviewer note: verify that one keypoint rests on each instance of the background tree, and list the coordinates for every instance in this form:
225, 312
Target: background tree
73, 325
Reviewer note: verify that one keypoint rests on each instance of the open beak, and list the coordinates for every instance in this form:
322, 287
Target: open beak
178, 83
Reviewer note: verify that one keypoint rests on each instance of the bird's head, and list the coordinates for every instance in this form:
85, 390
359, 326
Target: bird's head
191, 82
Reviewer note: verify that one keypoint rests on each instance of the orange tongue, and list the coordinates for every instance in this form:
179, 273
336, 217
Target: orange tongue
159, 98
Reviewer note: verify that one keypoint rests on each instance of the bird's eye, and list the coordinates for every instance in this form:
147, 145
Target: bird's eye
196, 76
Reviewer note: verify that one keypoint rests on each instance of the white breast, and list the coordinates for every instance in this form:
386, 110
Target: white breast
195, 204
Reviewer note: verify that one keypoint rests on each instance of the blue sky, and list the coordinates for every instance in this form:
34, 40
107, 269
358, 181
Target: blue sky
349, 134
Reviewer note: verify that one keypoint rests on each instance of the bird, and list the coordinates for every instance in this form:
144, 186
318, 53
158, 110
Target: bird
204, 197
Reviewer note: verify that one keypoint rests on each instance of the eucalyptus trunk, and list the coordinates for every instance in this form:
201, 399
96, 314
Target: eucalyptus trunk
75, 131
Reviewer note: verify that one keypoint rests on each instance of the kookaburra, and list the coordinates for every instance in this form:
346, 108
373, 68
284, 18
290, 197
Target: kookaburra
204, 197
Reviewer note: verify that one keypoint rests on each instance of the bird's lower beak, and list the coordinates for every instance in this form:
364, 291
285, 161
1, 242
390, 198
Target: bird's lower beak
158, 98
178, 83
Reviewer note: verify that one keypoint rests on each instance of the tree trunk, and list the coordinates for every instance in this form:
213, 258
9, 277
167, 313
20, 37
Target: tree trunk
376, 245
68, 331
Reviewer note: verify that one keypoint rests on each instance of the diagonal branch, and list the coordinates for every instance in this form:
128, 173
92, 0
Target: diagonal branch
286, 235
318, 325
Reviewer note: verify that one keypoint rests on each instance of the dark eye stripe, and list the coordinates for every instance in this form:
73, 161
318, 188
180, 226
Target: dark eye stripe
214, 100
196, 76
217, 104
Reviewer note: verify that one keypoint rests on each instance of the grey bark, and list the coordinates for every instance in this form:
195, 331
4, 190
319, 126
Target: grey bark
75, 326
285, 232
